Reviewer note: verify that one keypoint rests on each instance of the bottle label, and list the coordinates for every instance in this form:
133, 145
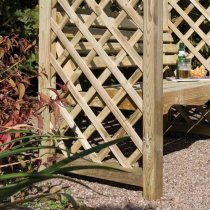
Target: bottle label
181, 53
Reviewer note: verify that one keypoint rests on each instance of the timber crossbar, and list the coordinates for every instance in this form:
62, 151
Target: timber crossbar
92, 56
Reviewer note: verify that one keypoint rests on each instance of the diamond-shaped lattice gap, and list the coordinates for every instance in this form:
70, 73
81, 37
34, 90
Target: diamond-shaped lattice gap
195, 14
183, 4
205, 51
205, 27
195, 39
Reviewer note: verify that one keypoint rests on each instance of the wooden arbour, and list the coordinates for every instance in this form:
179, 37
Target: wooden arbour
99, 56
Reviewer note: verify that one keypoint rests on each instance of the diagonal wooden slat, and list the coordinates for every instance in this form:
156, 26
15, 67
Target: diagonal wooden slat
79, 35
120, 94
189, 45
105, 112
138, 20
201, 9
113, 29
52, 70
106, 98
118, 154
110, 64
199, 121
121, 132
179, 19
190, 22
190, 31
102, 40
91, 55
65, 19
54, 2
75, 129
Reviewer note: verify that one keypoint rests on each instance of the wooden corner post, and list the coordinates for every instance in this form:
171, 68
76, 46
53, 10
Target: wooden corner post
152, 100
44, 61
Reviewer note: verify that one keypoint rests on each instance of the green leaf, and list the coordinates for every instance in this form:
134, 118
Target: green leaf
62, 163
21, 175
86, 167
27, 179
8, 153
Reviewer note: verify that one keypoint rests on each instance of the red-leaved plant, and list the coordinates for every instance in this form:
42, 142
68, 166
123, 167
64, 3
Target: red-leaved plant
15, 104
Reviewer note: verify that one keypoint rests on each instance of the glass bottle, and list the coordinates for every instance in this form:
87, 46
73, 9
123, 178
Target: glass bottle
181, 62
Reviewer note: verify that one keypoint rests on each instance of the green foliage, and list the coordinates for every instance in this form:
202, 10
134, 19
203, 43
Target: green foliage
54, 205
61, 203
20, 17
19, 51
29, 18
30, 63
16, 181
14, 14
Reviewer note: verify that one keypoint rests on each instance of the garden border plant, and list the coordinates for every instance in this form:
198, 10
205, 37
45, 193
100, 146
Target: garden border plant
16, 181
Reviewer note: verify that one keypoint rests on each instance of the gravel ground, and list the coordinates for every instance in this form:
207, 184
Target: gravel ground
186, 183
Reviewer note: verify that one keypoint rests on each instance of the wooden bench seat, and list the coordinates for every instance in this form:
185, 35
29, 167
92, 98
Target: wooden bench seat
184, 93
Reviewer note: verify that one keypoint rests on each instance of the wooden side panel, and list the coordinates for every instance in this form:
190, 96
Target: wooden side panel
95, 55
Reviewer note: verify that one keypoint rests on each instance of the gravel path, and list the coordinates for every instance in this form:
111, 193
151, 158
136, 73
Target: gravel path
186, 183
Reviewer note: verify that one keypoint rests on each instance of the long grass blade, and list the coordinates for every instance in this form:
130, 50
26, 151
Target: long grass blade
8, 153
62, 163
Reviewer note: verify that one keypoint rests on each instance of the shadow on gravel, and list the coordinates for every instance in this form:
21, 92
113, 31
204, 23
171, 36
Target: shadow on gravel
173, 143
128, 207
106, 182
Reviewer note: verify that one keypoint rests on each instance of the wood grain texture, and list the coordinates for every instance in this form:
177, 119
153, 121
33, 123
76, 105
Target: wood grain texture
98, 32
115, 31
153, 100
114, 47
182, 93
104, 134
116, 98
131, 176
110, 64
165, 15
98, 87
81, 138
190, 22
90, 39
44, 63
194, 27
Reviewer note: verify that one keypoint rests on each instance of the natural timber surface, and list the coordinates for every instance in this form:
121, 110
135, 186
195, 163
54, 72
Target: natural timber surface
183, 93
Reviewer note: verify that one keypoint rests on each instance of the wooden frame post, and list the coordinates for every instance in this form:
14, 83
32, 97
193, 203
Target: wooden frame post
44, 61
165, 15
153, 100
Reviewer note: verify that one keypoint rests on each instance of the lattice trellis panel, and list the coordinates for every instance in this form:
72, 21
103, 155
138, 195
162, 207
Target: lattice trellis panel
93, 48
191, 23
